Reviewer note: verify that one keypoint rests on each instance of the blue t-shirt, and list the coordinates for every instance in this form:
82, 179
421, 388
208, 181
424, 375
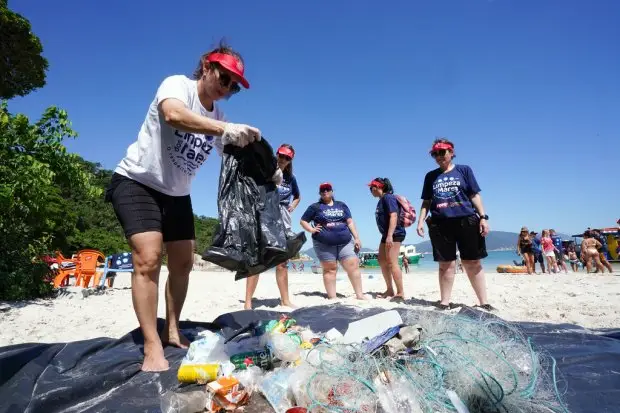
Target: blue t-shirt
536, 245
288, 189
557, 241
450, 192
333, 219
386, 205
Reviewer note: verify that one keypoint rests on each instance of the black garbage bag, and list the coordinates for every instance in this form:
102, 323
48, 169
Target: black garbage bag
251, 237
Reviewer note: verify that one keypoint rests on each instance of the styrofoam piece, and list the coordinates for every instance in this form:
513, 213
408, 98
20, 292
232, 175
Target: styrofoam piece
333, 335
372, 326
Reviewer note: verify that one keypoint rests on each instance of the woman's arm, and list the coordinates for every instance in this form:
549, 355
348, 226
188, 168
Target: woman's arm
476, 200
294, 204
306, 225
351, 226
519, 246
422, 216
177, 115
392, 226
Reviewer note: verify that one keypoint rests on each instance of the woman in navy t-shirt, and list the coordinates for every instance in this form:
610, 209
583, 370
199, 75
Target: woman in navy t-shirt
289, 199
335, 239
458, 220
392, 235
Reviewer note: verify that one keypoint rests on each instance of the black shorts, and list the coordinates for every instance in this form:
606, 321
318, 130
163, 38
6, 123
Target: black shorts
395, 238
527, 250
142, 209
449, 233
538, 257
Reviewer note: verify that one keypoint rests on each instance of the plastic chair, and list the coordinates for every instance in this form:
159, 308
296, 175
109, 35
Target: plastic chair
66, 268
88, 262
115, 263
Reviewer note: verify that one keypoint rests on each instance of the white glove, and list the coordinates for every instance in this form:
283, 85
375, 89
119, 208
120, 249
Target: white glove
240, 135
277, 177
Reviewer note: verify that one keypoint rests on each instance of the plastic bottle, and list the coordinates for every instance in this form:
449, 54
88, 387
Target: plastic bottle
187, 402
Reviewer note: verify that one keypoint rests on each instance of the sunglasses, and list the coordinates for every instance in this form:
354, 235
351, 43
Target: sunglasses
288, 158
440, 152
321, 191
227, 82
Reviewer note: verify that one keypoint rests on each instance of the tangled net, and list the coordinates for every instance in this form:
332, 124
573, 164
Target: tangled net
462, 365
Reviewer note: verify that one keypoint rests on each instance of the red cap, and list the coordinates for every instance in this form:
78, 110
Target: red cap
230, 63
375, 183
325, 185
283, 150
440, 146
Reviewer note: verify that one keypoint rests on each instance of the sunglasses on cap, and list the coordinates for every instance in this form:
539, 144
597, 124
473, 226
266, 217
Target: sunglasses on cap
227, 82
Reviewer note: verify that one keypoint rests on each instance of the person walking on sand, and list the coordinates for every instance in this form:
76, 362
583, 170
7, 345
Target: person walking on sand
559, 250
589, 252
392, 235
150, 187
525, 249
458, 219
603, 250
537, 250
289, 199
549, 250
335, 239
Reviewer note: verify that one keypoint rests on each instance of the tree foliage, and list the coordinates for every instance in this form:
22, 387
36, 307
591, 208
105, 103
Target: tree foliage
22, 67
35, 167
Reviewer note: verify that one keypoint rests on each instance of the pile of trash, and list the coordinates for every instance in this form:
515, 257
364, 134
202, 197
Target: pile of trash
429, 363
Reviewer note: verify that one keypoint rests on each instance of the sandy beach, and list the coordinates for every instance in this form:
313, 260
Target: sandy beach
591, 301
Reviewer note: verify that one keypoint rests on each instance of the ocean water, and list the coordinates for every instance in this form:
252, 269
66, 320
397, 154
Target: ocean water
490, 263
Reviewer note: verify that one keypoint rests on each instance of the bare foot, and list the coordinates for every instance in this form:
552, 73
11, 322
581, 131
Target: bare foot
398, 297
288, 304
154, 359
386, 294
362, 297
174, 338
247, 305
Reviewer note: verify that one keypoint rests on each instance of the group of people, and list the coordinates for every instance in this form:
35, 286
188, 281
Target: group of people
150, 194
549, 248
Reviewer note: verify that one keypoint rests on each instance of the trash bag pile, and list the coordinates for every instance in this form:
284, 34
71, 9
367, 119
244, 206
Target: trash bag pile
383, 363
251, 237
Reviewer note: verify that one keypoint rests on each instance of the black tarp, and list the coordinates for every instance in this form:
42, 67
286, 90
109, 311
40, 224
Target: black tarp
251, 237
102, 375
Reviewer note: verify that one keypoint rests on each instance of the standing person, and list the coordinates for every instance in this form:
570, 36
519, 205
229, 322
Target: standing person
452, 195
589, 252
525, 249
537, 249
603, 250
406, 263
150, 188
289, 199
392, 235
335, 239
549, 250
559, 250
572, 257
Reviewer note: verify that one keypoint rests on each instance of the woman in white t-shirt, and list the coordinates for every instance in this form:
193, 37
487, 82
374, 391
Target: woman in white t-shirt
150, 189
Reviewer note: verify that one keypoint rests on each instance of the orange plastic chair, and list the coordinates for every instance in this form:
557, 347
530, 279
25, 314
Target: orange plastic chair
89, 262
66, 268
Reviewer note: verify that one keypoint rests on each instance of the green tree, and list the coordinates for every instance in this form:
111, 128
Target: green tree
22, 67
33, 211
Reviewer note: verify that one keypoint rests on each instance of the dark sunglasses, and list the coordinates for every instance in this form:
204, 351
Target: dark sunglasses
227, 82
440, 152
325, 190
288, 158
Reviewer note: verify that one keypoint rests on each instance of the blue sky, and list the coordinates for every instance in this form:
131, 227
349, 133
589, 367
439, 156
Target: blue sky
528, 90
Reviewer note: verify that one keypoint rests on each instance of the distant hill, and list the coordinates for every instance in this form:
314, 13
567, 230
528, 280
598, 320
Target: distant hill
496, 240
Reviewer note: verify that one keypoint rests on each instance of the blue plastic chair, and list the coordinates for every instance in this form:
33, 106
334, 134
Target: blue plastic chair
114, 264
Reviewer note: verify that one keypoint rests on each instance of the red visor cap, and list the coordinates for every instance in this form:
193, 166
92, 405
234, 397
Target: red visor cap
376, 183
283, 150
325, 185
230, 63
441, 145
